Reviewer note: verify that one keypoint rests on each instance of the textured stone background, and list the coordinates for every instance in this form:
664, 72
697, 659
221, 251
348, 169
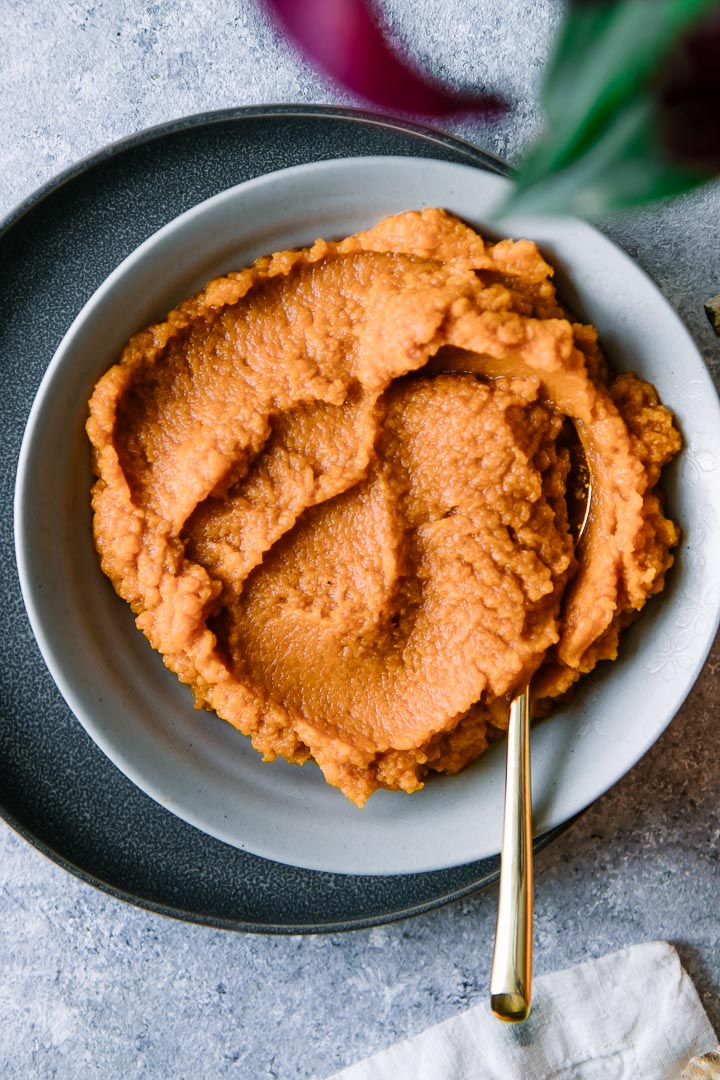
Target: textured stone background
90, 987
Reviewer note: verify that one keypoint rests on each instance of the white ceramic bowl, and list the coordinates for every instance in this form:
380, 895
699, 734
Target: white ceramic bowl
198, 766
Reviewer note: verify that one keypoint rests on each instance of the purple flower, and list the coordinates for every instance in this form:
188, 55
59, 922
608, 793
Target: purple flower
341, 38
687, 93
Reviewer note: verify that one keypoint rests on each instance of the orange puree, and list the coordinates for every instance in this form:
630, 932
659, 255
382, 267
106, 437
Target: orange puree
349, 553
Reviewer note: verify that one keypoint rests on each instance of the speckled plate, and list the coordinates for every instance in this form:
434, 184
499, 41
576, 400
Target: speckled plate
66, 796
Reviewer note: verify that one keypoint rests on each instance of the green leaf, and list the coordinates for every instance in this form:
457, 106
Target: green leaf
624, 167
600, 149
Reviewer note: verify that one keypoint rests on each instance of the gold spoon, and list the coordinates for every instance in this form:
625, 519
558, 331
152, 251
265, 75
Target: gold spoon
511, 976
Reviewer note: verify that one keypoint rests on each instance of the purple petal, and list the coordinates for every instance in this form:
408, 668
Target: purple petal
688, 99
340, 38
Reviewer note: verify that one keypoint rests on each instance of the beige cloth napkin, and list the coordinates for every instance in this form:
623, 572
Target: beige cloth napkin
634, 1014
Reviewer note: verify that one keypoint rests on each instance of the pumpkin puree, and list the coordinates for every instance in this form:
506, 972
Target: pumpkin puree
349, 545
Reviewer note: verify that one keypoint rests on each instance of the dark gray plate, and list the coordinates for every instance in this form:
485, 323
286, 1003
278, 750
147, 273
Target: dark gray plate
56, 788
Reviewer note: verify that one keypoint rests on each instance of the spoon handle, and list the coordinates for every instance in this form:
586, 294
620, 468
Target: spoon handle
511, 977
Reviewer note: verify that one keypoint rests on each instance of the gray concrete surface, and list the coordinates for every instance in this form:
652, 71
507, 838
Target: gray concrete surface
91, 987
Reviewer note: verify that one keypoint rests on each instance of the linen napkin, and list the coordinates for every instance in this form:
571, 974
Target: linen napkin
632, 1014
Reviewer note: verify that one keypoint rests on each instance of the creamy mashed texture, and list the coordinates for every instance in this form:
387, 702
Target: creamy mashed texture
334, 489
